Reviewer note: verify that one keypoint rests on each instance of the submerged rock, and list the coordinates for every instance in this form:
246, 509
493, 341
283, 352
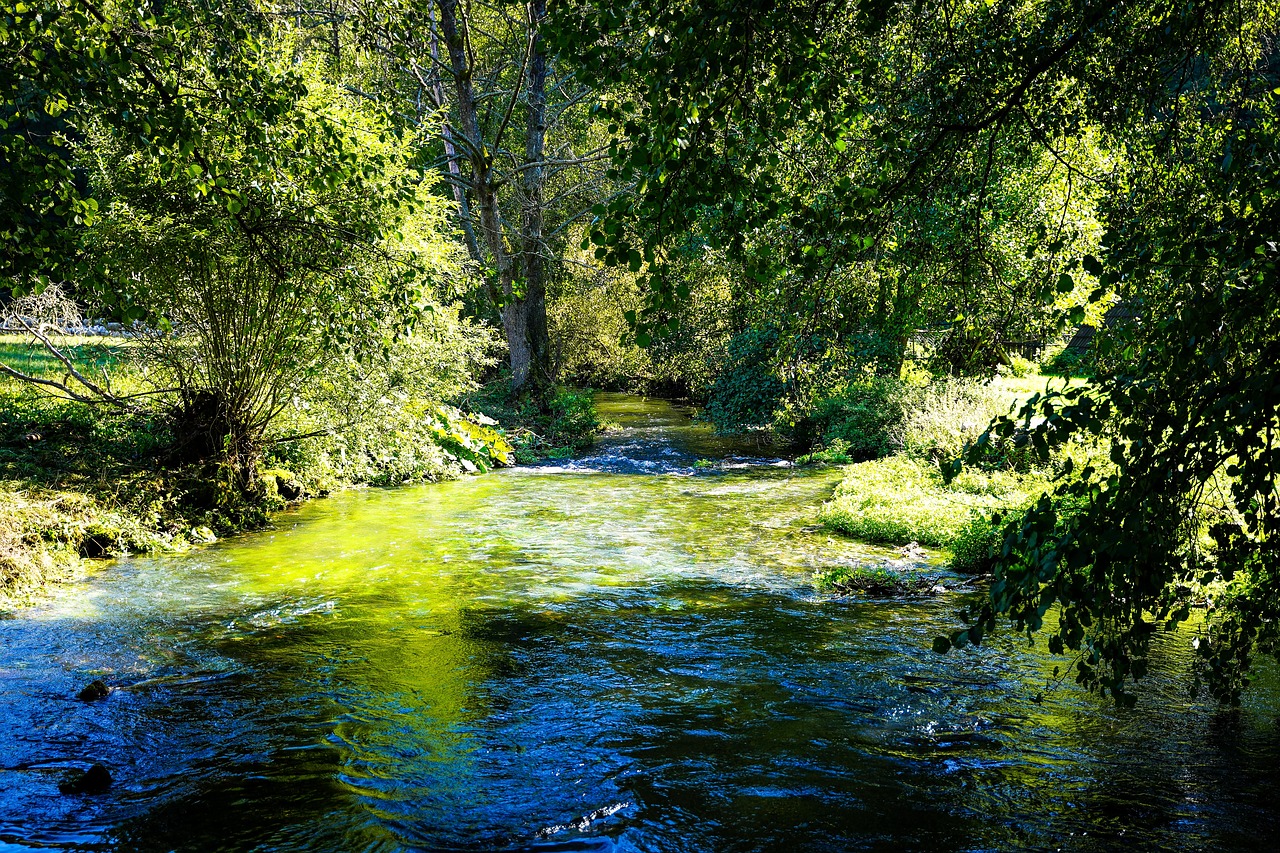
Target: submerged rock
94, 691
95, 780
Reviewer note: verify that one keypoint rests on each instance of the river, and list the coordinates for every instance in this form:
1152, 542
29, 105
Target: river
620, 652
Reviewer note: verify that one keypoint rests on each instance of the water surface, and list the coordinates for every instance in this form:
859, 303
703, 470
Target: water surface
619, 652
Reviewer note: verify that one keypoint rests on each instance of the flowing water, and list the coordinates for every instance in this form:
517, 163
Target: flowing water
621, 652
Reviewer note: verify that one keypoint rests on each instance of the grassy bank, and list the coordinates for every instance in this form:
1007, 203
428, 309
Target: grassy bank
898, 496
900, 499
80, 482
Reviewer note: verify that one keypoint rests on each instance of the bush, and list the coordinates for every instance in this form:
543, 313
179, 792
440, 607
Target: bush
1065, 361
747, 391
944, 416
874, 581
590, 336
836, 453
862, 418
566, 423
1021, 367
973, 549
573, 421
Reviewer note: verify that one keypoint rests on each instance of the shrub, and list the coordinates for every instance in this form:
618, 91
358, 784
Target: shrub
1020, 367
862, 418
941, 418
590, 336
973, 548
566, 423
837, 453
573, 422
747, 391
1065, 361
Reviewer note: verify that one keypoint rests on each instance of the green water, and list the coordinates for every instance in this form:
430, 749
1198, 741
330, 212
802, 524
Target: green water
621, 652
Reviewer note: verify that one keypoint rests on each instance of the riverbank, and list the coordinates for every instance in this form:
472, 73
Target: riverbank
901, 498
80, 483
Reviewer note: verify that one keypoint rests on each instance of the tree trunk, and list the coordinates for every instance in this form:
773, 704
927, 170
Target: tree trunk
451, 151
528, 311
520, 273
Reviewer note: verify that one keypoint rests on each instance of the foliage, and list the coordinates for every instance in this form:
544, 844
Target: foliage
747, 391
862, 418
558, 427
836, 452
944, 416
1062, 361
876, 417
973, 549
1183, 400
898, 500
850, 214
244, 307
472, 441
903, 145
589, 331
1021, 367
506, 124
573, 421
169, 80
877, 582
376, 420
78, 481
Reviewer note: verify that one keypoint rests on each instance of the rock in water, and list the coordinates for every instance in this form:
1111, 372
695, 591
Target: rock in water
94, 691
95, 780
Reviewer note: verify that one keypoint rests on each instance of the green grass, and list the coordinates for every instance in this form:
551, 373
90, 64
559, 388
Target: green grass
91, 355
899, 500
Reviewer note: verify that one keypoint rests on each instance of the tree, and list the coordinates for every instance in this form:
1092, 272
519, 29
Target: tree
1187, 403
513, 141
249, 217
1180, 98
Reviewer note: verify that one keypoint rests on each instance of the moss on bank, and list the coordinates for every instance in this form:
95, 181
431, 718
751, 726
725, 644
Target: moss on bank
877, 582
79, 483
45, 534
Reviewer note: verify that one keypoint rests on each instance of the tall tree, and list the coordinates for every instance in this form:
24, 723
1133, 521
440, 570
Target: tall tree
515, 141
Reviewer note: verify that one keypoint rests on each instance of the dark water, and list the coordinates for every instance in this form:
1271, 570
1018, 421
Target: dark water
624, 652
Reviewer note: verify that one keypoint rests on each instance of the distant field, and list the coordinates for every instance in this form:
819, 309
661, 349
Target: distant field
90, 353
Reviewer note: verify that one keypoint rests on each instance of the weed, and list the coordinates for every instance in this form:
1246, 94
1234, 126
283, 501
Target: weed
877, 582
900, 499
